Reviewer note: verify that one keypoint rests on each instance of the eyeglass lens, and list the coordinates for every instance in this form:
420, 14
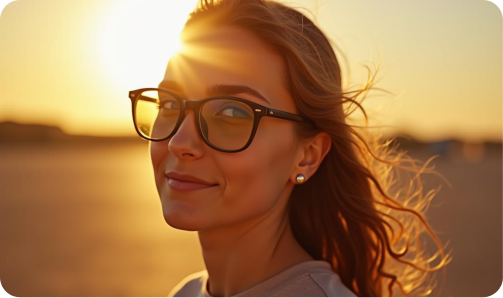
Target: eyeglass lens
225, 123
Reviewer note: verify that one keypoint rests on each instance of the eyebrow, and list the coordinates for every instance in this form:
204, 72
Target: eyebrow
216, 90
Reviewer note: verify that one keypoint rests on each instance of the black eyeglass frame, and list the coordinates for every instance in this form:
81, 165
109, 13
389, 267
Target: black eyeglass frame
258, 110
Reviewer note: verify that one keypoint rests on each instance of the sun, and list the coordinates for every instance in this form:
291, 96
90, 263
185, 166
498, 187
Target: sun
137, 37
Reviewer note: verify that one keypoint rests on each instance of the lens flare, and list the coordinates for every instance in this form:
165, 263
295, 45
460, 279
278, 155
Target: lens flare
138, 38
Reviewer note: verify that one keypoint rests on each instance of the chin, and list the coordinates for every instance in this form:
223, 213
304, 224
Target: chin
182, 218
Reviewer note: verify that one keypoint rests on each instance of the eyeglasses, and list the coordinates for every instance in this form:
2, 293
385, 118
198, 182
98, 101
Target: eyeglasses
225, 123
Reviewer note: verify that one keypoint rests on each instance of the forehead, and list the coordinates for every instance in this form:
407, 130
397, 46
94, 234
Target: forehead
227, 55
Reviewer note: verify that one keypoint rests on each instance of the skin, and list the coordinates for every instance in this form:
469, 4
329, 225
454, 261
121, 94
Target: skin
242, 223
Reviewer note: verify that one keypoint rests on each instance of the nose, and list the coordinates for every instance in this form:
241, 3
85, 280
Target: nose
186, 143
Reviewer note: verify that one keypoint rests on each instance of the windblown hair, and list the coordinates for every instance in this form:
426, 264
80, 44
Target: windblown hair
353, 212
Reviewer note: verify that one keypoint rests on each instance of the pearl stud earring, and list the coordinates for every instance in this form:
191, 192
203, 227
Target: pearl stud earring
300, 179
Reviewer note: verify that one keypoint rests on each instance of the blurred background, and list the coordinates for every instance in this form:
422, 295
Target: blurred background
79, 211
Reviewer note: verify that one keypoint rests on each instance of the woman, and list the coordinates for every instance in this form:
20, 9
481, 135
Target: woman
251, 149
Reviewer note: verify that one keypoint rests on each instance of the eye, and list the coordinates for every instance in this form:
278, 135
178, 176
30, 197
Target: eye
169, 104
234, 112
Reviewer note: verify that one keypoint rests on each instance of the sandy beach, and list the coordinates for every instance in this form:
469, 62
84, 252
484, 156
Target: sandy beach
85, 220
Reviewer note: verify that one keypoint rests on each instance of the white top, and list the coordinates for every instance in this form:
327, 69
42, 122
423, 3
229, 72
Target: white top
306, 279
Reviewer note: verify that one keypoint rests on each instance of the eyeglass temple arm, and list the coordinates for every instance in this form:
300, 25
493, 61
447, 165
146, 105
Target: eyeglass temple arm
286, 115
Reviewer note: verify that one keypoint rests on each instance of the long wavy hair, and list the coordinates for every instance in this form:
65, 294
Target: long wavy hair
353, 212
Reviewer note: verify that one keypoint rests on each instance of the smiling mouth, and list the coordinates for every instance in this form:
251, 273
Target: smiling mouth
181, 185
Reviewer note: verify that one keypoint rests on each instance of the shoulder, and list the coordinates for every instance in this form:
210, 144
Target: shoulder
307, 279
316, 285
190, 286
331, 284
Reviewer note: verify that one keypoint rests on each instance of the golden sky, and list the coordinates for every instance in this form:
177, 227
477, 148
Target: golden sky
72, 63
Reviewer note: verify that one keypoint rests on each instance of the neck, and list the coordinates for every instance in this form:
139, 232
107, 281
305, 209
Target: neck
240, 256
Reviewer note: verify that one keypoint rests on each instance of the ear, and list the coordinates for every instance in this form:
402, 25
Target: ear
311, 155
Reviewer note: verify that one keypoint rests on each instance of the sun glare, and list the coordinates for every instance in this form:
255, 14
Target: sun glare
138, 37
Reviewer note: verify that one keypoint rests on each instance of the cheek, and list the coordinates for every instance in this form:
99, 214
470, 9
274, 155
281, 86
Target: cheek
158, 151
257, 176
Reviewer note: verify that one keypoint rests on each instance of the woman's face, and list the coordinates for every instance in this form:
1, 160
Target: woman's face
246, 184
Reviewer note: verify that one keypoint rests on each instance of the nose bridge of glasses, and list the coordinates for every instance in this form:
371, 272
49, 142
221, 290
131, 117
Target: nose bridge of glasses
193, 106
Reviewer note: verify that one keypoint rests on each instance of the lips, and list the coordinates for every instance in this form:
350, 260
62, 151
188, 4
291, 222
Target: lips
183, 182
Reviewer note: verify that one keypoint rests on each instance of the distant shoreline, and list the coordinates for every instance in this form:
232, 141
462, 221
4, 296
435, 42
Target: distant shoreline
12, 132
